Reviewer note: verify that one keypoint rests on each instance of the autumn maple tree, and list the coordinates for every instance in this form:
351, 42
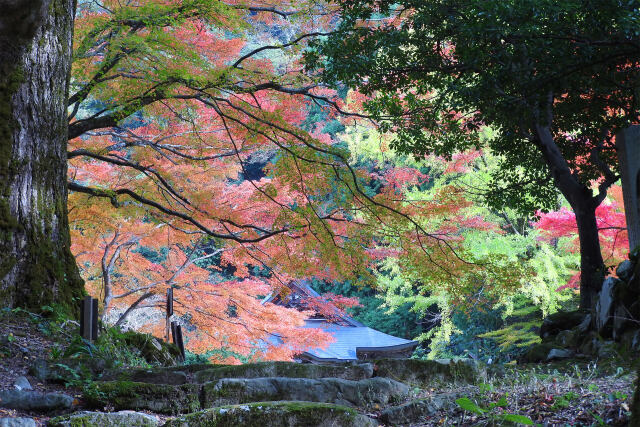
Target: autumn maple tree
186, 139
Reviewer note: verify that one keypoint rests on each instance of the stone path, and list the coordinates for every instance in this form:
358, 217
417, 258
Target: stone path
269, 394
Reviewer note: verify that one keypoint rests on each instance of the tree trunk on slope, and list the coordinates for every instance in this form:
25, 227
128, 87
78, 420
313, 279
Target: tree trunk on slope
584, 206
36, 265
592, 268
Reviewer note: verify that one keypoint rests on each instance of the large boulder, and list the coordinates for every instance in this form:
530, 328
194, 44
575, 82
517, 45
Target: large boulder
561, 321
624, 271
605, 306
425, 372
161, 398
34, 401
287, 369
105, 419
630, 341
416, 410
275, 414
363, 393
542, 352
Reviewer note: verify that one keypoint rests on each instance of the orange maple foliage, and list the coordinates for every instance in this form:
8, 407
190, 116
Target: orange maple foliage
190, 139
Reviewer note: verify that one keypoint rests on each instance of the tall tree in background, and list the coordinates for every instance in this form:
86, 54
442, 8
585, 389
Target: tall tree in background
553, 80
36, 265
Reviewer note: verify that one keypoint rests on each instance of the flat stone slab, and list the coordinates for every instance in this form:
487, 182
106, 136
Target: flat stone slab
275, 414
150, 376
287, 369
425, 372
161, 398
105, 419
17, 422
34, 401
363, 393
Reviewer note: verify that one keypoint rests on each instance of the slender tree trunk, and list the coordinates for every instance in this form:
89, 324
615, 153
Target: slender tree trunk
36, 265
592, 268
584, 206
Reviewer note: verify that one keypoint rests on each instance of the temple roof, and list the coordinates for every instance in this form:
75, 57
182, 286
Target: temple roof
352, 338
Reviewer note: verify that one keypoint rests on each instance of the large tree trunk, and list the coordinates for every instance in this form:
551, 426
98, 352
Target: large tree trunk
36, 265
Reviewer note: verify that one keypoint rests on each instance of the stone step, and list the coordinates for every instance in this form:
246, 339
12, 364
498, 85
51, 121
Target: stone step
427, 373
185, 398
207, 372
105, 419
275, 414
160, 398
286, 369
34, 401
17, 422
363, 393
149, 376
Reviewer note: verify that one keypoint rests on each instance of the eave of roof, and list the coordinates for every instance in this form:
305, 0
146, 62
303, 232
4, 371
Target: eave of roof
353, 339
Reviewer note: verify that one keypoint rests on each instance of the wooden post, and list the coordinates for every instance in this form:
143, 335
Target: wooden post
180, 341
94, 319
176, 331
86, 317
169, 311
89, 318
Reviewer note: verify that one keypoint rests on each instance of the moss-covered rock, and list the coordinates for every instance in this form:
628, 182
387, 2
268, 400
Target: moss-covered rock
286, 369
416, 410
150, 376
426, 372
275, 414
161, 398
192, 369
155, 351
105, 419
539, 352
65, 370
363, 393
561, 321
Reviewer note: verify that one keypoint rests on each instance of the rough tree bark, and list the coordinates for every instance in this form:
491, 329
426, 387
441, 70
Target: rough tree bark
36, 265
592, 268
584, 204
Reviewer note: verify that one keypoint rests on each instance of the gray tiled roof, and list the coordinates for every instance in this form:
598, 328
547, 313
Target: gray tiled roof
350, 338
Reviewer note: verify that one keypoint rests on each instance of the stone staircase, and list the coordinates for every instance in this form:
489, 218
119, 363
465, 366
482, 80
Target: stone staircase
268, 394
